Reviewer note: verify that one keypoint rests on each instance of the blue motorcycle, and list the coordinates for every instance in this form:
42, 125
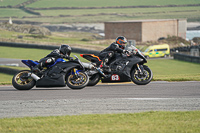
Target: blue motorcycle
60, 74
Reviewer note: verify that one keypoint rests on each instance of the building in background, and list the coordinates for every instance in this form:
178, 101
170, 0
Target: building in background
146, 30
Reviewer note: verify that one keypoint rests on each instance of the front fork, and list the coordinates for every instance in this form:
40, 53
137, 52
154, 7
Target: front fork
75, 72
140, 68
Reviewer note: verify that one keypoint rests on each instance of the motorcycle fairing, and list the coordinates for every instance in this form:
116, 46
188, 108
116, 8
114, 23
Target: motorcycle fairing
55, 76
30, 63
124, 75
51, 82
132, 62
116, 77
62, 67
124, 64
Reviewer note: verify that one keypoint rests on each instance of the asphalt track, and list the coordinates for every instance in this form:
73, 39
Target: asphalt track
100, 99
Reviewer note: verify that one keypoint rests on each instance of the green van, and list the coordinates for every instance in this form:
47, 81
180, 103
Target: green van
162, 50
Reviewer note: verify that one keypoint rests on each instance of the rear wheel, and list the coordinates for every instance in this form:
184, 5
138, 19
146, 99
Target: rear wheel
94, 79
142, 78
21, 80
78, 81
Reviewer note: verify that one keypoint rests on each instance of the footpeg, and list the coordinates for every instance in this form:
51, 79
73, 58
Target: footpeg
99, 70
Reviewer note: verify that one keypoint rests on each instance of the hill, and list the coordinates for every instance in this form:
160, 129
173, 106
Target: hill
90, 11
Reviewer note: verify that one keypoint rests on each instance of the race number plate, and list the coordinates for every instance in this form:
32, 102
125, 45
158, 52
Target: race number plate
115, 77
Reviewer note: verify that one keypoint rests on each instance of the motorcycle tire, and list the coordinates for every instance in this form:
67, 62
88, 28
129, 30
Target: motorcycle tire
23, 83
78, 83
94, 80
142, 79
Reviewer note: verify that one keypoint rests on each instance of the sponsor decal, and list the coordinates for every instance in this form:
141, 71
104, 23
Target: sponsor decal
115, 77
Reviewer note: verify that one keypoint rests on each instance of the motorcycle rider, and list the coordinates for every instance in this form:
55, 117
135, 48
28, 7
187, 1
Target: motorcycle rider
64, 51
106, 54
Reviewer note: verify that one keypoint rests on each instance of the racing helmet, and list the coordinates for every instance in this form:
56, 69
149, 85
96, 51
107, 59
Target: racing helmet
65, 49
121, 41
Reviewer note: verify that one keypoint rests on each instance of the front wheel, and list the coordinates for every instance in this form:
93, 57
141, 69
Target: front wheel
142, 78
21, 80
78, 81
165, 56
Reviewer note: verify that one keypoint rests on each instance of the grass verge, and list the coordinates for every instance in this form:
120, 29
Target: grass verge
174, 70
151, 122
5, 79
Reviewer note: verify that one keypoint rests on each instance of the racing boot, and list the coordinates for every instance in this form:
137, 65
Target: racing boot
104, 65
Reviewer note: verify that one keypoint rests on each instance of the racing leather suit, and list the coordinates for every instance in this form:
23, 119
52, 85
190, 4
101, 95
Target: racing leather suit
106, 54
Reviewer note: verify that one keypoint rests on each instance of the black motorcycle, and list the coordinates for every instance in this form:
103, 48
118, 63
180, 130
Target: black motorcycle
123, 68
57, 75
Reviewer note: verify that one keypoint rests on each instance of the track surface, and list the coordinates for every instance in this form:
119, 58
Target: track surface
102, 98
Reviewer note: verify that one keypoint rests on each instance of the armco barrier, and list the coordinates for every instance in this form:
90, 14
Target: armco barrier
8, 70
189, 58
50, 47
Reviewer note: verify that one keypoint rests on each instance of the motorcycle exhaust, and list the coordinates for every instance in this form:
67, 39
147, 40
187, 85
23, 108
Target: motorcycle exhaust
88, 65
34, 76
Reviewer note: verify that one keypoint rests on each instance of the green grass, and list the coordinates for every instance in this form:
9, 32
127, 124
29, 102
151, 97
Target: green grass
13, 12
191, 13
5, 79
11, 2
96, 3
23, 53
106, 3
146, 122
104, 15
127, 11
174, 70
190, 16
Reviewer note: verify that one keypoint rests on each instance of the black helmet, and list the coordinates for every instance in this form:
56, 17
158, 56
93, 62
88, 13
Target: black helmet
65, 49
121, 41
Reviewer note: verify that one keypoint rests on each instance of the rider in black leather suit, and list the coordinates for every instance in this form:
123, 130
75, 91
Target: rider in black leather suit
64, 51
106, 54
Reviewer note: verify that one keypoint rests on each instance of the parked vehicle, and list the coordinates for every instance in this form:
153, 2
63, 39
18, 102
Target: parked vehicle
162, 50
57, 75
123, 68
